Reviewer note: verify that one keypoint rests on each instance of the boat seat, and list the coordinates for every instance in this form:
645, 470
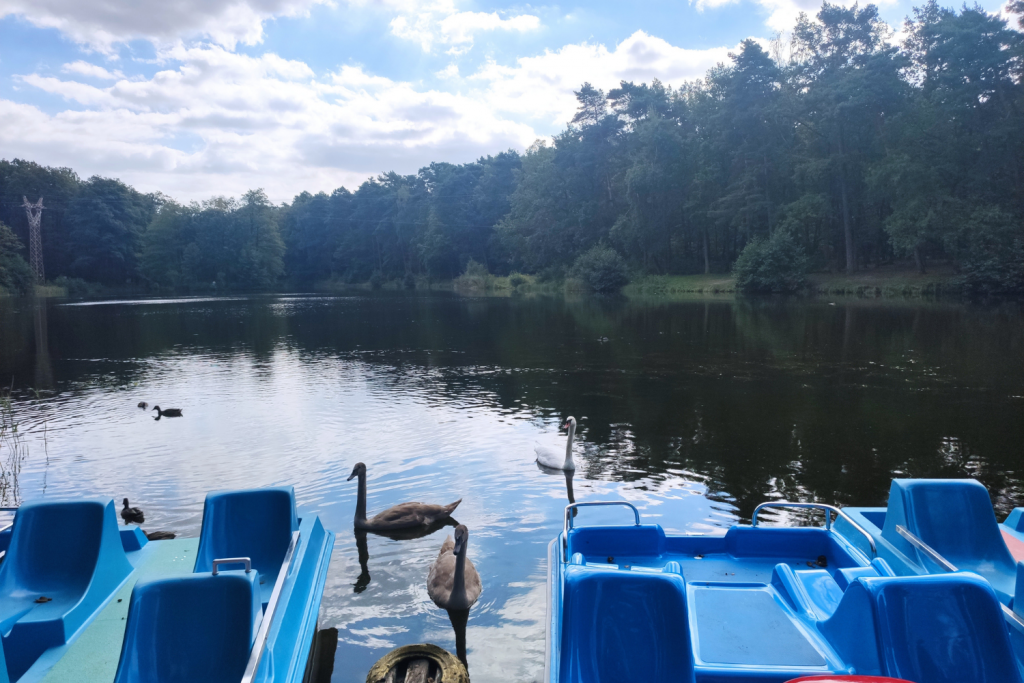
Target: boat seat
64, 562
929, 629
197, 628
955, 518
253, 523
625, 626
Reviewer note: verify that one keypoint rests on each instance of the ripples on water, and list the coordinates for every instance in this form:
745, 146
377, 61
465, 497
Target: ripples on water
694, 411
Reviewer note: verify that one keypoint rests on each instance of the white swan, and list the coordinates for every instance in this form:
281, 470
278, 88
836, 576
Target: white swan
552, 459
453, 582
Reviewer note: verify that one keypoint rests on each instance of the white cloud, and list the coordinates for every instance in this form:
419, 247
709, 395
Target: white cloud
101, 25
218, 122
221, 123
92, 71
542, 87
439, 22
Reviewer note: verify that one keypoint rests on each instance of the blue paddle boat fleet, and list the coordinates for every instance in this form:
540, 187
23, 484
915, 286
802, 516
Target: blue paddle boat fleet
921, 591
84, 601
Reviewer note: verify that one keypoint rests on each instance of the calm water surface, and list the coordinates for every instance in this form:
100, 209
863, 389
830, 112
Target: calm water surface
694, 411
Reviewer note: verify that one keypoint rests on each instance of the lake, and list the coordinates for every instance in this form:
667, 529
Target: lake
695, 411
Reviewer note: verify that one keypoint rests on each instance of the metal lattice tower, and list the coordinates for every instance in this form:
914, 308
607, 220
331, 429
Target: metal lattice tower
35, 237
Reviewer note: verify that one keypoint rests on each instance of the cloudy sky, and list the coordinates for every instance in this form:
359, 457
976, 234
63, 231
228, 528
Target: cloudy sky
203, 97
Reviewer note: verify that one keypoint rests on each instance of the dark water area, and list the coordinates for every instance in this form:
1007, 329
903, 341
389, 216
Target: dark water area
695, 411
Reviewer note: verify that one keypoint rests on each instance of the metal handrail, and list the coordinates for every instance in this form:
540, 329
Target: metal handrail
933, 555
261, 636
232, 560
567, 524
829, 509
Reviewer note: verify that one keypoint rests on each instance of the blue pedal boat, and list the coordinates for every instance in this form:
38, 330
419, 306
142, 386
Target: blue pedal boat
86, 602
944, 526
757, 604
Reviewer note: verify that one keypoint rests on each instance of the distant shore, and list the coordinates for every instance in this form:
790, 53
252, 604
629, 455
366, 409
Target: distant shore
886, 281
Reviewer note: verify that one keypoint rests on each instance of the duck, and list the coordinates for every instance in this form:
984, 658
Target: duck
143, 405
132, 515
401, 516
453, 582
170, 412
550, 458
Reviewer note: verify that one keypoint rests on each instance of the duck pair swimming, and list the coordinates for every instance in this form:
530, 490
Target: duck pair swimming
453, 582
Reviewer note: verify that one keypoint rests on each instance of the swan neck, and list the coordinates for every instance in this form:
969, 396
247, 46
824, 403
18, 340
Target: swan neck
458, 594
361, 499
568, 443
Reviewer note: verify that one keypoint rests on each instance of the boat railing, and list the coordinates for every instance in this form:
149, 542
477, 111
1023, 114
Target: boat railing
828, 509
1012, 617
231, 560
567, 524
261, 636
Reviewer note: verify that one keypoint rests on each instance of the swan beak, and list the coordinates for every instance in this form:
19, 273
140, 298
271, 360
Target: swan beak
458, 547
351, 476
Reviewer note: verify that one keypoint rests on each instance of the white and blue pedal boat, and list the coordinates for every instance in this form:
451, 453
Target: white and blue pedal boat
762, 605
84, 601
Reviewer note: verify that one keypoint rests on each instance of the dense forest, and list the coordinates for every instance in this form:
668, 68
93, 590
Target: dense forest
838, 148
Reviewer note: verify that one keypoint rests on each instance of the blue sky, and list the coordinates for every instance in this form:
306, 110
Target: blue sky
196, 98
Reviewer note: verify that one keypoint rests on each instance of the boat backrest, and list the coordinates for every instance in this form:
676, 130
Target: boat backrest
68, 552
619, 625
954, 517
253, 523
646, 539
197, 628
929, 629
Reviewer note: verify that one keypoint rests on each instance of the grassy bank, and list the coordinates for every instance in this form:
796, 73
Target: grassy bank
892, 281
670, 285
887, 281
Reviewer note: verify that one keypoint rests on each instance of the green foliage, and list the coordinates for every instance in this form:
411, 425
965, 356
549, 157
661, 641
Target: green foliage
601, 269
515, 279
218, 243
106, 220
777, 264
993, 256
77, 287
15, 275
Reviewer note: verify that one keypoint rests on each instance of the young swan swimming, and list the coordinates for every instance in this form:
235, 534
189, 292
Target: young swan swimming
401, 516
554, 460
453, 582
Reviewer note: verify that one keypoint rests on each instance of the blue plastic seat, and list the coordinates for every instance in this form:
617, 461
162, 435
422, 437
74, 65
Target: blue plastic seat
253, 523
955, 518
928, 629
64, 561
197, 628
622, 626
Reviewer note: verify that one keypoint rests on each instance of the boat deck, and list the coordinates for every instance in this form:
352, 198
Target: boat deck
93, 656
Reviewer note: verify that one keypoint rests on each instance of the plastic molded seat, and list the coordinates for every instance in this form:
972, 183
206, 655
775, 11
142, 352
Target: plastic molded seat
955, 518
254, 523
928, 629
69, 552
622, 626
196, 628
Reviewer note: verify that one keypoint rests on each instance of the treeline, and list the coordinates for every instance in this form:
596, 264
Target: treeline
835, 149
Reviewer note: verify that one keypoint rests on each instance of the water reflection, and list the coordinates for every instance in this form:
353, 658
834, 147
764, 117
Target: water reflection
694, 411
362, 547
459, 620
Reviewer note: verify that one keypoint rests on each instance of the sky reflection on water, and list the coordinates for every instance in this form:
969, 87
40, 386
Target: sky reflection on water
694, 411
